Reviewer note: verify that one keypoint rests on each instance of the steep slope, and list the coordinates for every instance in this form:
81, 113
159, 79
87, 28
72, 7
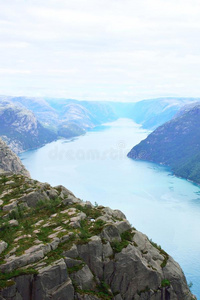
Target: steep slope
152, 113
9, 161
41, 109
176, 144
55, 246
20, 128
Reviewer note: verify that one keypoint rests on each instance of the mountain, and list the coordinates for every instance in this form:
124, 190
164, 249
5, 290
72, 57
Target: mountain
52, 112
9, 161
55, 246
28, 122
20, 128
152, 113
175, 144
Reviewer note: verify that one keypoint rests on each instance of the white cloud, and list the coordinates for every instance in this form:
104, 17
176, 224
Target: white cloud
98, 49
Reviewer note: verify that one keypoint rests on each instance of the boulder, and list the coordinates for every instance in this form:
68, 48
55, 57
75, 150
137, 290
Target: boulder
3, 246
111, 233
83, 278
32, 198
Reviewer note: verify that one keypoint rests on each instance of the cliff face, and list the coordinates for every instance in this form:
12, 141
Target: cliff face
55, 246
10, 162
20, 128
175, 143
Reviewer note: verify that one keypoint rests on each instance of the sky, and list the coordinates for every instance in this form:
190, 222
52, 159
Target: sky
119, 50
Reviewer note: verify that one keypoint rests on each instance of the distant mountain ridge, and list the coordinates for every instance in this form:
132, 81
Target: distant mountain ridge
175, 144
49, 119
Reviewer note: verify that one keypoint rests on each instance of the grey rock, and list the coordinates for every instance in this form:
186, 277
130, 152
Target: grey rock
54, 244
51, 280
123, 226
129, 274
114, 213
71, 262
13, 223
21, 261
173, 271
32, 198
52, 193
72, 252
24, 286
75, 222
107, 250
10, 162
118, 297
64, 291
9, 292
70, 200
111, 233
12, 205
92, 253
86, 297
64, 191
3, 246
84, 278
89, 204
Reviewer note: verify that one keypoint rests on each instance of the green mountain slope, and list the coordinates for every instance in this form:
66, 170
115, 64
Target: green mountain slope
176, 144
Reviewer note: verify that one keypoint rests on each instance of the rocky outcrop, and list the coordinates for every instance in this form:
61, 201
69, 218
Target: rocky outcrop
60, 247
9, 162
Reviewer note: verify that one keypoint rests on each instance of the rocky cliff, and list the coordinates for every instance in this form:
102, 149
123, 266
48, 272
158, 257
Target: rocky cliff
20, 128
175, 144
10, 162
55, 246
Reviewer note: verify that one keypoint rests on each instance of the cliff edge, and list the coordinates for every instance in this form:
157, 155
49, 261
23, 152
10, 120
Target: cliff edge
55, 246
10, 162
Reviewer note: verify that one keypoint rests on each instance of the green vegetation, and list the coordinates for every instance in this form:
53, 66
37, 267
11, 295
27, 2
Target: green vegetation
75, 268
126, 238
162, 252
103, 291
92, 213
5, 277
165, 283
175, 144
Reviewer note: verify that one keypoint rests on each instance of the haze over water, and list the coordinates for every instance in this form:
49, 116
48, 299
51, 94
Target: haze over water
95, 167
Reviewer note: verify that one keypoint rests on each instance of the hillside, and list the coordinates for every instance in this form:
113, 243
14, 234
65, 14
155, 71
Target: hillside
175, 144
152, 113
55, 246
53, 112
27, 123
20, 128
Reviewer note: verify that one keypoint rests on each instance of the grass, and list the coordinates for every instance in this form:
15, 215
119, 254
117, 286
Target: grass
102, 292
162, 252
126, 238
165, 283
5, 278
92, 213
75, 268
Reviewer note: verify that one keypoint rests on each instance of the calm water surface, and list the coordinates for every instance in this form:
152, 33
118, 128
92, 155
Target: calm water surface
95, 168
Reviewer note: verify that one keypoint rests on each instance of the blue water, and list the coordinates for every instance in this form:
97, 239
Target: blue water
95, 167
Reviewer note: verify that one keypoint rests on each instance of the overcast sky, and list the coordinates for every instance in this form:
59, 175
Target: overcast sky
100, 49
